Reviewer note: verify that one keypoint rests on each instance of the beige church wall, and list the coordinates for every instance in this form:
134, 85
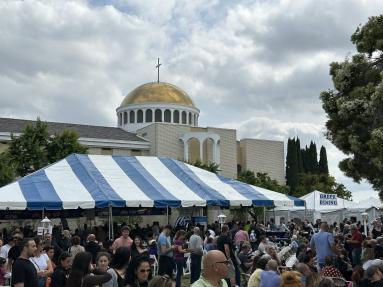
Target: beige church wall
194, 150
149, 133
94, 150
164, 139
3, 147
228, 151
168, 140
264, 156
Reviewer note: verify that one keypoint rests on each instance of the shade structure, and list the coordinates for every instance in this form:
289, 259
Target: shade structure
313, 202
89, 181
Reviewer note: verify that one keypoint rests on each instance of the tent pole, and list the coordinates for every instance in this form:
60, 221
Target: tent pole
274, 213
110, 219
167, 213
264, 215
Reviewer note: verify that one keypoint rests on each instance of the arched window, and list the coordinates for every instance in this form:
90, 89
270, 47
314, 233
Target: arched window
140, 116
131, 117
149, 116
125, 117
190, 116
176, 117
184, 118
119, 119
167, 116
158, 116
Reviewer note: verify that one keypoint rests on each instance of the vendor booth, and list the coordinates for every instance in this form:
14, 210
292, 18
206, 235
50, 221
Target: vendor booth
318, 204
98, 181
330, 208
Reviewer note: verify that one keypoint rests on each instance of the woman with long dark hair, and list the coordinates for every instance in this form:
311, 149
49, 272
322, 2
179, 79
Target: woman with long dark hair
81, 276
138, 272
118, 267
138, 247
61, 273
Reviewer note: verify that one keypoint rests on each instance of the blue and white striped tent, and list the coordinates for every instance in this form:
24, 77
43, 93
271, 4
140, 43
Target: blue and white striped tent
89, 181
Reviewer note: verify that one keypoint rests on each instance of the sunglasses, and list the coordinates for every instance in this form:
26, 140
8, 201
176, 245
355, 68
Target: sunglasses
144, 271
226, 262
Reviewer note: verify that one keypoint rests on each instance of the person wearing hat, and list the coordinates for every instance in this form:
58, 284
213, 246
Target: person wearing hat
124, 240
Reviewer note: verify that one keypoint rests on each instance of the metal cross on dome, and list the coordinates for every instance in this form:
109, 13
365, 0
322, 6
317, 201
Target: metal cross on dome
158, 69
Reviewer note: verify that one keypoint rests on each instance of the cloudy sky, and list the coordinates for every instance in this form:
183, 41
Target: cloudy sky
257, 66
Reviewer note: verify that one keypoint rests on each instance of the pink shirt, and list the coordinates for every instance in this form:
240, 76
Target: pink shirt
122, 242
241, 236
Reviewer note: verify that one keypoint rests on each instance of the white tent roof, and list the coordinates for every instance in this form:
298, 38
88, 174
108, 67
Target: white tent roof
313, 202
369, 203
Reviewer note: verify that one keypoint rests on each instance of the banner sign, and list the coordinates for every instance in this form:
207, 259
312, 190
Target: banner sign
328, 199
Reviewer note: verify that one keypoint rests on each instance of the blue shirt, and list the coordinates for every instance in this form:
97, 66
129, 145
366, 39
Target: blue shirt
322, 242
270, 279
164, 240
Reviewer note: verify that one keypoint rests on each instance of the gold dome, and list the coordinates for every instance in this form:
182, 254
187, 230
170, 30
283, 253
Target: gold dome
157, 93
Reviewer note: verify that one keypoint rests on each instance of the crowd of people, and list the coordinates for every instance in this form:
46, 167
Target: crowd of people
235, 254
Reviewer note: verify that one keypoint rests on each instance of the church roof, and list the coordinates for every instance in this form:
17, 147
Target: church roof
157, 93
85, 131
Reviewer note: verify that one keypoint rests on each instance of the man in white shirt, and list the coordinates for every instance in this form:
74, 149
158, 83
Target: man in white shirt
5, 248
195, 247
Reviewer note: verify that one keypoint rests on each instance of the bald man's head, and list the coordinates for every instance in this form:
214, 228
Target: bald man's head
215, 264
196, 230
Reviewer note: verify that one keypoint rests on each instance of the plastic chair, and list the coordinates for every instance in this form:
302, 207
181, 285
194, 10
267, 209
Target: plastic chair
187, 265
154, 264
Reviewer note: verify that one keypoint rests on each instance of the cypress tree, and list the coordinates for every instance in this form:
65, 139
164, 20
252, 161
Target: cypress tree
299, 156
313, 162
291, 165
323, 165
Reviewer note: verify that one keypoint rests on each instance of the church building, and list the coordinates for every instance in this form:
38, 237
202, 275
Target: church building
160, 119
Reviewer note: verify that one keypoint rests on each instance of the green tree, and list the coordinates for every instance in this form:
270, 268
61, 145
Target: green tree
292, 165
35, 148
212, 166
64, 144
7, 171
28, 151
322, 182
313, 158
260, 180
299, 156
323, 165
355, 106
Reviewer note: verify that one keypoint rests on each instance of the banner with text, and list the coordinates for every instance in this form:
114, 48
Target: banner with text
328, 199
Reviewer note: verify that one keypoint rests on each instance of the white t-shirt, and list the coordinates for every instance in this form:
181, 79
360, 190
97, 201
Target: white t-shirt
4, 251
41, 262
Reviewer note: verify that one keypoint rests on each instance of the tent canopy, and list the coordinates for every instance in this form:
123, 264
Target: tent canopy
313, 202
89, 181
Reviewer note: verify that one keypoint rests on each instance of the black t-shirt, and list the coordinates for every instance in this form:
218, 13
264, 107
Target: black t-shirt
14, 252
59, 277
23, 271
221, 241
376, 233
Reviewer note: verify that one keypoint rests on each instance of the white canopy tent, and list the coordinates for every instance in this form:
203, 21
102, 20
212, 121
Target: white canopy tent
317, 204
329, 208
